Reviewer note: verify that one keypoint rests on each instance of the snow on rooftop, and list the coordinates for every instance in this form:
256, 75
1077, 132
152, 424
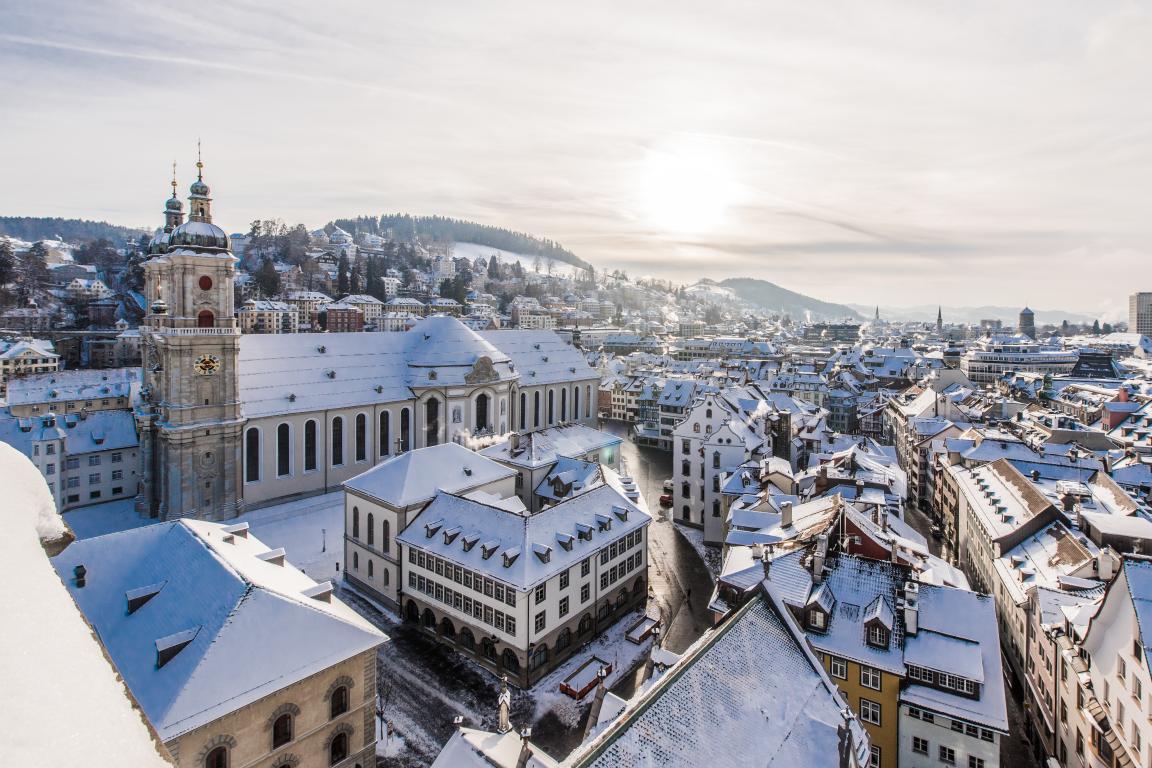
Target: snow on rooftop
414, 477
60, 692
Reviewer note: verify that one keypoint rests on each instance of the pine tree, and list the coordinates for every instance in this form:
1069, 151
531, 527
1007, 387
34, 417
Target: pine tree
493, 268
1096, 327
7, 262
34, 266
268, 279
342, 276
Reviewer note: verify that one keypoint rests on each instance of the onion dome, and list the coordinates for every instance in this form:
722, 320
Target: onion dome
199, 234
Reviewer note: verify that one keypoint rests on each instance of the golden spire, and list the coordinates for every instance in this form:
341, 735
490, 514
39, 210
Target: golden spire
173, 178
199, 164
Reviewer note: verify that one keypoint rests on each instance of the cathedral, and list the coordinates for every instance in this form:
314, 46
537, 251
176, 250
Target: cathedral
230, 421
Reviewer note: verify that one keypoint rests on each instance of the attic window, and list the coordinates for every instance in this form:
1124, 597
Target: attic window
468, 471
620, 513
470, 541
168, 647
430, 529
566, 541
542, 552
451, 534
603, 523
274, 556
584, 532
488, 548
545, 358
321, 349
137, 597
321, 592
331, 374
877, 635
238, 529
510, 556
432, 375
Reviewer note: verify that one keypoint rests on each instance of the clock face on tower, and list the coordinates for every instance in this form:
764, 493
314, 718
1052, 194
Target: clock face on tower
207, 365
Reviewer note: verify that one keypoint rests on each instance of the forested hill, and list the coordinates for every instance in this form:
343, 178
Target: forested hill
33, 228
406, 227
772, 297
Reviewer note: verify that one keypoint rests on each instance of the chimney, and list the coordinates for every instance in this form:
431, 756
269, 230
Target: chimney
884, 520
597, 702
859, 489
911, 608
525, 748
514, 442
1122, 394
1104, 565
504, 702
785, 514
818, 558
1035, 475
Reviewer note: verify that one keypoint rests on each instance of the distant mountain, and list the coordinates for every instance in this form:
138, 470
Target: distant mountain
1010, 316
772, 297
33, 228
405, 226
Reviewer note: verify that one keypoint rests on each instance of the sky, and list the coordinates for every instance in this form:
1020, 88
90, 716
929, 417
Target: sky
895, 153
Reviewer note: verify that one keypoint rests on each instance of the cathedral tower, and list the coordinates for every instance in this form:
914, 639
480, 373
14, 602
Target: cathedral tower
190, 421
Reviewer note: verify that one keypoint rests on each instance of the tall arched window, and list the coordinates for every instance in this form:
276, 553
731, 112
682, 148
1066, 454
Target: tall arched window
355, 522
587, 401
385, 577
282, 731
338, 704
716, 460
405, 430
371, 529
576, 403
432, 422
337, 441
481, 412
205, 319
361, 437
283, 450
551, 406
536, 409
370, 569
252, 455
523, 410
217, 758
385, 433
309, 445
386, 541
338, 749
564, 404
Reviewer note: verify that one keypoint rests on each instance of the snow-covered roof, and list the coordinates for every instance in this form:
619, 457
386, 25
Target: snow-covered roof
756, 696
81, 709
524, 550
546, 446
414, 477
472, 748
80, 384
216, 594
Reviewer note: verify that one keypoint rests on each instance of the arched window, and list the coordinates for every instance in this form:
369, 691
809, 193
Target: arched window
252, 455
565, 638
338, 704
481, 412
509, 661
564, 404
337, 441
217, 758
715, 459
283, 450
355, 561
355, 522
205, 319
371, 529
488, 649
551, 406
576, 403
309, 446
539, 657
431, 422
587, 401
523, 410
385, 577
536, 409
338, 749
466, 639
361, 437
370, 574
386, 541
708, 413
405, 430
385, 433
585, 624
282, 731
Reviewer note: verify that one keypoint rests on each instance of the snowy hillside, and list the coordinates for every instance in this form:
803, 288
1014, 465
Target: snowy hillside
471, 251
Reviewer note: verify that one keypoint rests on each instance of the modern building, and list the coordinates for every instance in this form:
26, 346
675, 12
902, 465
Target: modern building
992, 357
267, 316
1140, 313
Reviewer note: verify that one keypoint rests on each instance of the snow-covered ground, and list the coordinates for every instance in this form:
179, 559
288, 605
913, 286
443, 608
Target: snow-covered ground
471, 250
311, 531
109, 517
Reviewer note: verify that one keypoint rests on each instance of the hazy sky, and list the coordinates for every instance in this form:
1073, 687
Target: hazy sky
891, 152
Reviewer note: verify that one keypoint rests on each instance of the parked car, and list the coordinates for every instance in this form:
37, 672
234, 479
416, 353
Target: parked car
666, 500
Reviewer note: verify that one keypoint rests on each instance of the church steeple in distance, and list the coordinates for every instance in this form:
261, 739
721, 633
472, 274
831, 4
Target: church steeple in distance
939, 319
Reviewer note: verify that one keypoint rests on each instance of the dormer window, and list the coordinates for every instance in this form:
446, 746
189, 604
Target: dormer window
877, 635
817, 620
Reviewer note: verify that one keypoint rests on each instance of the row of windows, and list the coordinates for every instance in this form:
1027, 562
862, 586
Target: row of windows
477, 582
941, 680
565, 579
959, 726
946, 754
536, 402
620, 546
385, 544
620, 570
474, 608
253, 448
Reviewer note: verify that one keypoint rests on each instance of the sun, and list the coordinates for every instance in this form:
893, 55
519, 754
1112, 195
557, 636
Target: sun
686, 186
